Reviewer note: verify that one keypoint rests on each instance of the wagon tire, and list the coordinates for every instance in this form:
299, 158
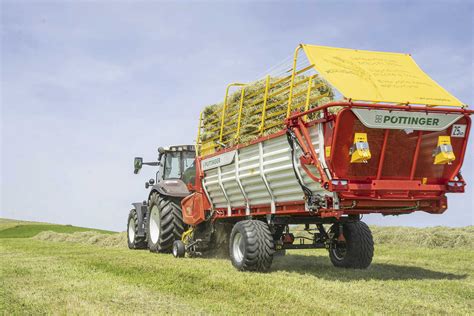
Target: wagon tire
357, 251
251, 246
165, 223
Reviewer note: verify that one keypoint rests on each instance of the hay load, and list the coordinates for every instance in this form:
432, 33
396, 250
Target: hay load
118, 240
263, 110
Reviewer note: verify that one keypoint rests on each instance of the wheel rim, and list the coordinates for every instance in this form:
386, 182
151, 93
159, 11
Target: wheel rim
131, 230
339, 252
238, 247
155, 222
175, 250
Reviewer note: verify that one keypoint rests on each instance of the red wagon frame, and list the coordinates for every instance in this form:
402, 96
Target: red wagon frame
356, 197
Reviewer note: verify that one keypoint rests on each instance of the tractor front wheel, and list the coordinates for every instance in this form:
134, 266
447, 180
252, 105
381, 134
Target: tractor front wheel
251, 246
354, 249
165, 223
134, 242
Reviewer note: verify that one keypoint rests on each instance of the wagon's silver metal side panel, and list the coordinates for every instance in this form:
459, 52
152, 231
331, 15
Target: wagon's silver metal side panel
264, 171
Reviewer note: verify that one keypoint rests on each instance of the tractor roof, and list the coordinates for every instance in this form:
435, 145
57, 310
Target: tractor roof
181, 148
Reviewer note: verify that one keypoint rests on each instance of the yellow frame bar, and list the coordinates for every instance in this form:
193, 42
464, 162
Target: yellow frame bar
224, 108
198, 140
308, 96
293, 74
239, 120
265, 99
281, 91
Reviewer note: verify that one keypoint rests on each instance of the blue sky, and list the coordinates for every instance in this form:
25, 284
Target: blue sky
86, 86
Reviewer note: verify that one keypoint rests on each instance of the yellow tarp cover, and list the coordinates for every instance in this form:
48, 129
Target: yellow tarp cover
377, 76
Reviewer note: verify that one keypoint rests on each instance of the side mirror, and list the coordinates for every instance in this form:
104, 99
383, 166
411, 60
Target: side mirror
161, 150
137, 164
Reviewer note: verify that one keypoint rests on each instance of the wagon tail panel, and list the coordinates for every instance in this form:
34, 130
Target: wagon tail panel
402, 174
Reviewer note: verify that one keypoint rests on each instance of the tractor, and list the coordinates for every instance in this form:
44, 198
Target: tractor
157, 222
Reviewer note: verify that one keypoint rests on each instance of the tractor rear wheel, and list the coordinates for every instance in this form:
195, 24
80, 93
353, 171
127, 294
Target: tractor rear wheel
165, 223
134, 242
356, 249
251, 246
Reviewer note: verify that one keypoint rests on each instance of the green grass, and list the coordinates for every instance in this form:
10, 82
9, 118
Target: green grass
18, 229
64, 277
7, 223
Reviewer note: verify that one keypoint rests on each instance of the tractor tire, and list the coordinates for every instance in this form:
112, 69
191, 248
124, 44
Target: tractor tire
134, 242
356, 251
251, 246
165, 223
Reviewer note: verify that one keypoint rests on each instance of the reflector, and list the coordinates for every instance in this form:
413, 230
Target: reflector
360, 152
444, 151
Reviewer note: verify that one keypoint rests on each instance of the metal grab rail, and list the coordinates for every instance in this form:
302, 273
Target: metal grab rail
225, 104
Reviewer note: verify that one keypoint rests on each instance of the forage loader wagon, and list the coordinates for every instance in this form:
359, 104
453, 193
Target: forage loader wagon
337, 134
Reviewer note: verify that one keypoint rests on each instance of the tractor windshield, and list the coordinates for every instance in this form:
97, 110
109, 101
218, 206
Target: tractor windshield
180, 165
172, 165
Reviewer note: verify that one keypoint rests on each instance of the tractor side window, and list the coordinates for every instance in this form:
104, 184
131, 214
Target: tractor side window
172, 170
189, 168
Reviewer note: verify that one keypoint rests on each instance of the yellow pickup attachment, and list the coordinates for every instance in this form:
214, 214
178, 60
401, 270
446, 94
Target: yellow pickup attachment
360, 152
443, 153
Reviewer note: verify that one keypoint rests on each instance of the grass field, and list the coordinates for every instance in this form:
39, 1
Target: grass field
41, 276
16, 229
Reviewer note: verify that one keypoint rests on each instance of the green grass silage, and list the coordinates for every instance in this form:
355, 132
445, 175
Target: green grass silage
431, 237
86, 237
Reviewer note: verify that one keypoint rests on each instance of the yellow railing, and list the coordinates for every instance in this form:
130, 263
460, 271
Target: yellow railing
229, 131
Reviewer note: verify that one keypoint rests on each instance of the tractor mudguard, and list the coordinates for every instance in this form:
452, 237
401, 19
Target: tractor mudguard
171, 187
142, 210
193, 207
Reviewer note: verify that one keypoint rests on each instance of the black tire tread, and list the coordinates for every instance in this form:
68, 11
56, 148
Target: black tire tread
180, 249
172, 225
138, 242
259, 246
360, 247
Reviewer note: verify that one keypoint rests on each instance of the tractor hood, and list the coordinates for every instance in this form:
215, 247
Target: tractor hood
172, 187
